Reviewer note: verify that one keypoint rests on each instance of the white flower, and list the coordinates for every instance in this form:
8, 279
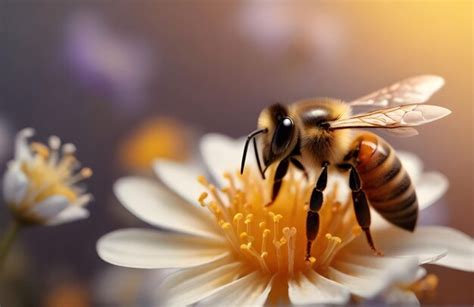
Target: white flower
235, 252
40, 184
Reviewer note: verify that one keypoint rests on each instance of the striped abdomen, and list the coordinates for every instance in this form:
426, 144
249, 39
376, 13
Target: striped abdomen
385, 181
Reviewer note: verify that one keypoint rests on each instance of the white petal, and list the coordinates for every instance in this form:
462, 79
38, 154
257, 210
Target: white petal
152, 203
223, 154
70, 214
15, 184
442, 245
50, 207
400, 297
182, 179
412, 164
312, 288
368, 276
22, 150
149, 249
429, 188
189, 286
251, 290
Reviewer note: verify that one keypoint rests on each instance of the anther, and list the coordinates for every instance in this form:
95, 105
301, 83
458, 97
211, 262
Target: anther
328, 253
237, 217
203, 181
69, 149
40, 149
202, 198
86, 172
244, 247
310, 262
225, 226
54, 142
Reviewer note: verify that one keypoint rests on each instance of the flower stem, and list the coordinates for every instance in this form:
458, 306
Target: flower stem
7, 240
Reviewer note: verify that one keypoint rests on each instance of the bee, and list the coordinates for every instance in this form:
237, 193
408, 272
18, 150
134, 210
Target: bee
320, 133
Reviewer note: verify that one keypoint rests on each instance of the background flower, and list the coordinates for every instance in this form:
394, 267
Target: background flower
107, 61
40, 184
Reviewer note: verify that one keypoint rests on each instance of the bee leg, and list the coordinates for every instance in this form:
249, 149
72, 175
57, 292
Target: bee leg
299, 166
281, 171
315, 204
361, 207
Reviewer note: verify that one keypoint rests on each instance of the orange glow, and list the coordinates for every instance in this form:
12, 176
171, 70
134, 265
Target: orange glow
155, 138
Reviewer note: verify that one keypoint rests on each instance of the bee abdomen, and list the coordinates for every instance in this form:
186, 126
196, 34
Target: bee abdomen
387, 184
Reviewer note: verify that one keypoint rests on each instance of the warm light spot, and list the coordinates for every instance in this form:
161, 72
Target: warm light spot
273, 239
156, 138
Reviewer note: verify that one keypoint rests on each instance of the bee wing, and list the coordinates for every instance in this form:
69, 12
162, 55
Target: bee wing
413, 90
393, 118
403, 132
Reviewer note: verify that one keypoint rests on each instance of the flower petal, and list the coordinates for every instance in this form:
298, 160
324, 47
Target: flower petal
15, 184
189, 286
223, 154
429, 188
182, 179
50, 207
70, 214
250, 290
312, 288
154, 204
412, 164
400, 297
442, 245
149, 249
22, 150
368, 276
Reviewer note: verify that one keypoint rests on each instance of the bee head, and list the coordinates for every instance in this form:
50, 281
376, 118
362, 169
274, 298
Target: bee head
281, 136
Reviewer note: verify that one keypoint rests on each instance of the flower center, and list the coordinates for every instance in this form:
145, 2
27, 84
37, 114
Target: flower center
52, 172
273, 238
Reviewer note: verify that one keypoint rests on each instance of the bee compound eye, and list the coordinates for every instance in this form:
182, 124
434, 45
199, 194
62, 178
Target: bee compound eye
282, 136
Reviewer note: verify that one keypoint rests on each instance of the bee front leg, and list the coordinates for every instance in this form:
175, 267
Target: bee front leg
281, 171
361, 207
315, 204
299, 166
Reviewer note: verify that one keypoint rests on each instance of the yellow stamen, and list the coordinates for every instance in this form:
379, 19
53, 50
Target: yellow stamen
249, 226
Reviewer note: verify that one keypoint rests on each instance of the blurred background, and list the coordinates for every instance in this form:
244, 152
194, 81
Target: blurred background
127, 82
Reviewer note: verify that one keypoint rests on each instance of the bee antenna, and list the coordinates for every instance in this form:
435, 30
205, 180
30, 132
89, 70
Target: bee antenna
265, 169
258, 158
250, 137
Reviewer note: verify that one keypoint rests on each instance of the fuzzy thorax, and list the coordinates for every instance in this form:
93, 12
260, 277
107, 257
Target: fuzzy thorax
317, 143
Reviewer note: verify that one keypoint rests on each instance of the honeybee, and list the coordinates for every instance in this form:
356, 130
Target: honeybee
321, 132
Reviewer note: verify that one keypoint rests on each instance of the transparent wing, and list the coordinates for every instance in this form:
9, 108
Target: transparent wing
393, 118
413, 90
403, 132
